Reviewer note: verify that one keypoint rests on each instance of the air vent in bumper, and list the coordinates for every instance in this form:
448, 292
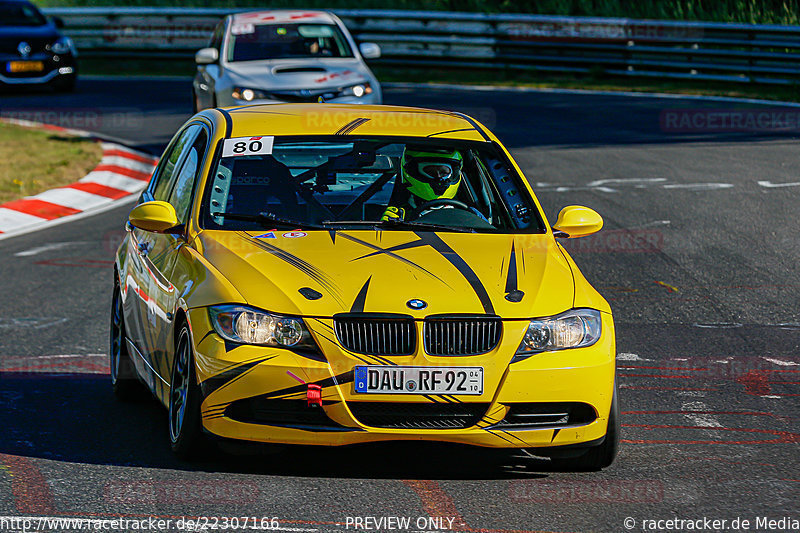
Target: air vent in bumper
395, 415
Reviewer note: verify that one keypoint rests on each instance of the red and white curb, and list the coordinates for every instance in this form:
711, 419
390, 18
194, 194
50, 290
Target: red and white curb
122, 172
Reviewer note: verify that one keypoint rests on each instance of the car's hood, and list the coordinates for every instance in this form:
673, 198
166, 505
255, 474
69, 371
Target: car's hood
381, 271
291, 74
36, 36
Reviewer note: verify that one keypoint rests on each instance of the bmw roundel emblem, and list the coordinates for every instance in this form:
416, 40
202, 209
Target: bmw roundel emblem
416, 304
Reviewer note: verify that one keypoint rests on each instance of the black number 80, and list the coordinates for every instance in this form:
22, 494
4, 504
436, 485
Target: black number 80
242, 147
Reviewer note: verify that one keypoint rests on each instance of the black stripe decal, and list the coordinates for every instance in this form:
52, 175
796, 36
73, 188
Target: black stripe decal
511, 278
222, 379
361, 298
304, 266
555, 432
435, 242
390, 253
352, 125
449, 131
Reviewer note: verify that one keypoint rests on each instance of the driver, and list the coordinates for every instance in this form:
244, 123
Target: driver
427, 174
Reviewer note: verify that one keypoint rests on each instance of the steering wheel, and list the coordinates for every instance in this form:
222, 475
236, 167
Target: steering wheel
433, 204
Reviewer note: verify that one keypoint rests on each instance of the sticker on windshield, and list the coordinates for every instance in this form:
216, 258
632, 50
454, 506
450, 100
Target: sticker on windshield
247, 146
243, 28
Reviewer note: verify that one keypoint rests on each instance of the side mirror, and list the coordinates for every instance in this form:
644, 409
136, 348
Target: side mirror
158, 217
369, 50
58, 22
578, 221
206, 56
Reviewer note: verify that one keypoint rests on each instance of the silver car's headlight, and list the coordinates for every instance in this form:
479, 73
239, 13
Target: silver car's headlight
248, 95
63, 45
572, 329
358, 90
246, 325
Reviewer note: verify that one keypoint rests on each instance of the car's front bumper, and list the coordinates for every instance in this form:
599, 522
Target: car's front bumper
65, 67
259, 394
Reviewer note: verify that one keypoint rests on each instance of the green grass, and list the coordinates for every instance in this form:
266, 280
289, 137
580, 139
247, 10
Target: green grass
57, 160
752, 11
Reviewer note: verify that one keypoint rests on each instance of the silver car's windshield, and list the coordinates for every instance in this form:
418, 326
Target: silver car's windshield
266, 183
253, 42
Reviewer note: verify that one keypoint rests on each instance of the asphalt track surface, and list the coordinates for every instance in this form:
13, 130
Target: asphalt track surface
699, 259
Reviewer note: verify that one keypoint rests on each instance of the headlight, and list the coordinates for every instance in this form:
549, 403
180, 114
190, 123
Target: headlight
573, 329
358, 90
63, 46
246, 325
248, 95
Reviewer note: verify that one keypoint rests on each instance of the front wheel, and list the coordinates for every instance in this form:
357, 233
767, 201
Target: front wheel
185, 428
597, 457
124, 382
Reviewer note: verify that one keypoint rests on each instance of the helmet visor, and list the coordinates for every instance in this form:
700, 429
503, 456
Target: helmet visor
434, 170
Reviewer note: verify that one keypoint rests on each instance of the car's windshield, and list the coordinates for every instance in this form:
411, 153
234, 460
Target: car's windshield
20, 14
266, 182
252, 42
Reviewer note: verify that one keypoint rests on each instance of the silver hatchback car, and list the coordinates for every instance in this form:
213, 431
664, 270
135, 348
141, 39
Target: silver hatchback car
284, 56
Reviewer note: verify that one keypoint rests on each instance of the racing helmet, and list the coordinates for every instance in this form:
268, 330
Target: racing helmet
431, 173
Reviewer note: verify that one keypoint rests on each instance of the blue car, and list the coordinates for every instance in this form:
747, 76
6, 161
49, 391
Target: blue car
33, 51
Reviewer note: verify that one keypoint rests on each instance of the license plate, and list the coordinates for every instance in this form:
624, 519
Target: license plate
451, 380
25, 66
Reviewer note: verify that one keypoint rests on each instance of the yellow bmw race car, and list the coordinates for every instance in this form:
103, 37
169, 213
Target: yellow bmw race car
329, 274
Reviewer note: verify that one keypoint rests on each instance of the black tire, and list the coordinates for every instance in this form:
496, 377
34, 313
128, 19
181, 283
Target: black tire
597, 457
185, 426
124, 381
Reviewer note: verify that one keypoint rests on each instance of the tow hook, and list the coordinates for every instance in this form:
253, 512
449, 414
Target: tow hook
314, 395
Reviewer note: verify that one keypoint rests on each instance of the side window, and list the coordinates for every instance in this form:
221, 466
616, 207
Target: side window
166, 175
183, 192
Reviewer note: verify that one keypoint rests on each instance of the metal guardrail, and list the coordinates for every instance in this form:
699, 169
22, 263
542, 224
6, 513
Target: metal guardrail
435, 39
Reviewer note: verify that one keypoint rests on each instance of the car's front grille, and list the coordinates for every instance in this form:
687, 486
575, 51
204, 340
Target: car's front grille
278, 413
548, 414
394, 415
376, 334
302, 97
462, 335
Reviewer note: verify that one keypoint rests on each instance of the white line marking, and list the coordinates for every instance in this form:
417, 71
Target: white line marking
770, 185
629, 357
48, 247
771, 396
700, 419
698, 186
780, 362
625, 181
718, 325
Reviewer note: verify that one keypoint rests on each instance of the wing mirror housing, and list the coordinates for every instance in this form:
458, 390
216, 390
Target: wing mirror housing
158, 217
369, 50
577, 221
206, 56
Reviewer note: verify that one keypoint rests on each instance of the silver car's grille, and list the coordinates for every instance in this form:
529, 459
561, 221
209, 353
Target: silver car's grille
376, 335
468, 335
